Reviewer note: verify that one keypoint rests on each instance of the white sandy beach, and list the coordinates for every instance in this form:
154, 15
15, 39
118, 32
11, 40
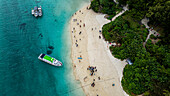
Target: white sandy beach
94, 52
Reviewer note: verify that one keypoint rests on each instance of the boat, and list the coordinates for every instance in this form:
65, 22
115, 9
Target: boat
37, 11
50, 60
40, 11
32, 12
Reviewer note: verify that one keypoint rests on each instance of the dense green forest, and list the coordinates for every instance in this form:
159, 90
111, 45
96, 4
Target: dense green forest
106, 7
158, 12
150, 72
121, 31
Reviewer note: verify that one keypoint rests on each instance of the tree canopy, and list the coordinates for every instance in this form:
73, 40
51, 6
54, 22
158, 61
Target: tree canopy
150, 72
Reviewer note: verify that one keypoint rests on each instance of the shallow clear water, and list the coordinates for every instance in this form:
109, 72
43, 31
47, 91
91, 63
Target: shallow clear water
23, 37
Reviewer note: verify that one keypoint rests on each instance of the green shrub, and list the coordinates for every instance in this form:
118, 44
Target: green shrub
95, 5
153, 37
105, 6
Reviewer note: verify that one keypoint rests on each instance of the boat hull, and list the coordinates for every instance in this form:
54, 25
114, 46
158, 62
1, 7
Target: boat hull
37, 11
57, 63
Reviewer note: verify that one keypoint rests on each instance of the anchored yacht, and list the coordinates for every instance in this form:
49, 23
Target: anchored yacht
50, 60
37, 11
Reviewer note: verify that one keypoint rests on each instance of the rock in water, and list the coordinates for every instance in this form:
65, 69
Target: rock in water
49, 52
22, 26
37, 1
50, 47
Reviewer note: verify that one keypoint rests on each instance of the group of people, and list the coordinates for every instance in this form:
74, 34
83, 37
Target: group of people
92, 70
78, 23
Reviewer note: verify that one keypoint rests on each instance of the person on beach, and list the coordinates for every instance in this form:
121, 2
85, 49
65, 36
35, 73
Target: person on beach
91, 74
113, 84
99, 77
93, 84
84, 25
74, 20
79, 32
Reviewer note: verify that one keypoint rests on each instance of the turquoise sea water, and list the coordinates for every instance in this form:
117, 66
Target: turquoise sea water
23, 37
